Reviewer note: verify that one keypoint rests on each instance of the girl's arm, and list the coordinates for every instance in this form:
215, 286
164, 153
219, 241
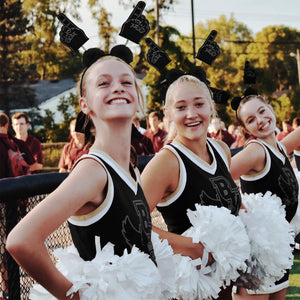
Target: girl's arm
292, 141
250, 160
26, 241
159, 179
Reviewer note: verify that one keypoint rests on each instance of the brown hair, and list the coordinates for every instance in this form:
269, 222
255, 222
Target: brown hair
19, 115
4, 119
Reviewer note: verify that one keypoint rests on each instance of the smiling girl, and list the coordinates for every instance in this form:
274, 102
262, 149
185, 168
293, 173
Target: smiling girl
263, 166
101, 196
192, 169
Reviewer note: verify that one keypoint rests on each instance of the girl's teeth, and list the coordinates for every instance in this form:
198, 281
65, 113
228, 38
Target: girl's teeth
193, 124
119, 101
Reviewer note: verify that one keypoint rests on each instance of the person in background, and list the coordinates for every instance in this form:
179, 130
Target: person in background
20, 124
232, 129
296, 122
154, 133
141, 144
286, 129
72, 150
220, 134
137, 124
8, 142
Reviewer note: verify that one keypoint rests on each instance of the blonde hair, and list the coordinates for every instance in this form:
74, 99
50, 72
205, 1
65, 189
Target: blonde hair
83, 76
170, 94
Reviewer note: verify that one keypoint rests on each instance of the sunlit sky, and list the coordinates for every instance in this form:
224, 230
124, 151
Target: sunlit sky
256, 14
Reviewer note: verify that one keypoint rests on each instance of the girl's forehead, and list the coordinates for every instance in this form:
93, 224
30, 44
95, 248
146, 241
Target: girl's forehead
189, 89
112, 67
251, 107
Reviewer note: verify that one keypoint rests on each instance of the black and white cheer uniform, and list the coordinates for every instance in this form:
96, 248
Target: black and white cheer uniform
122, 219
199, 182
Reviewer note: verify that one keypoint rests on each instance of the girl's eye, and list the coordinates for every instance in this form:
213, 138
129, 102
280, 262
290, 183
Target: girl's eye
103, 83
127, 83
262, 111
181, 107
199, 104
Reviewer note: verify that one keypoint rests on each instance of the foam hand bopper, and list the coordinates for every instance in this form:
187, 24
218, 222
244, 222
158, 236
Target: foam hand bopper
210, 50
249, 74
220, 96
136, 26
155, 56
70, 34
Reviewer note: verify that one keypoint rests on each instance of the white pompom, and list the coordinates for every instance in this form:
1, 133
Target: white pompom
108, 276
225, 237
271, 237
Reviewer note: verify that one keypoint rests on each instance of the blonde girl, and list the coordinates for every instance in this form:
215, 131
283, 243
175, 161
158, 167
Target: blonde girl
101, 196
191, 169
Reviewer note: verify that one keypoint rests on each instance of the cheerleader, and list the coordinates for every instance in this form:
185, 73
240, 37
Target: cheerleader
101, 196
263, 166
192, 169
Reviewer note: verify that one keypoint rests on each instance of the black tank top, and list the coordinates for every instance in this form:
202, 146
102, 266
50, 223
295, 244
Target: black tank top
277, 177
123, 218
199, 183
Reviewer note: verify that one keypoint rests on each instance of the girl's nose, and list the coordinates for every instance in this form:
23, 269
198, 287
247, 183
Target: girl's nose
118, 87
191, 112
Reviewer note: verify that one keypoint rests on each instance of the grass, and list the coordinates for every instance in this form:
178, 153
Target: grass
293, 292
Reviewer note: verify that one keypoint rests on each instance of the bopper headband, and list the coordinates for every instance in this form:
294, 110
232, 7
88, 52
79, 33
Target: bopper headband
93, 54
208, 53
249, 74
134, 29
210, 50
235, 102
70, 34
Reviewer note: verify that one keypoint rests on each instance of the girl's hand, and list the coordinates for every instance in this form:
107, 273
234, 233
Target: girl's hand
198, 252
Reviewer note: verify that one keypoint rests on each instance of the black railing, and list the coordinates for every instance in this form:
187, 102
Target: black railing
17, 197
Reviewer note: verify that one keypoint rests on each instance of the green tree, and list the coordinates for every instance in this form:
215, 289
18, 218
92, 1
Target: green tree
283, 108
106, 30
270, 54
13, 29
53, 59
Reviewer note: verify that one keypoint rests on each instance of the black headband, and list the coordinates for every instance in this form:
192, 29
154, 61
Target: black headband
235, 102
93, 54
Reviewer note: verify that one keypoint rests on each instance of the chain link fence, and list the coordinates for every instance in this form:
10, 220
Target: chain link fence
17, 197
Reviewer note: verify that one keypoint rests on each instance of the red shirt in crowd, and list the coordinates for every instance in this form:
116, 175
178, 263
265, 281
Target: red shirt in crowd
224, 136
157, 139
35, 147
13, 143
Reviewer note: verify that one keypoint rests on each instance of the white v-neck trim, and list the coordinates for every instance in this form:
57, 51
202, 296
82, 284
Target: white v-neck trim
209, 168
133, 184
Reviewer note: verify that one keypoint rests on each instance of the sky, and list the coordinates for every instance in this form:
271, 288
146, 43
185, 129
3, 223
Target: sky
256, 14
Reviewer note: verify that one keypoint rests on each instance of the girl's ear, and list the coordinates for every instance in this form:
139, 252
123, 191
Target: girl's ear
84, 106
166, 113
